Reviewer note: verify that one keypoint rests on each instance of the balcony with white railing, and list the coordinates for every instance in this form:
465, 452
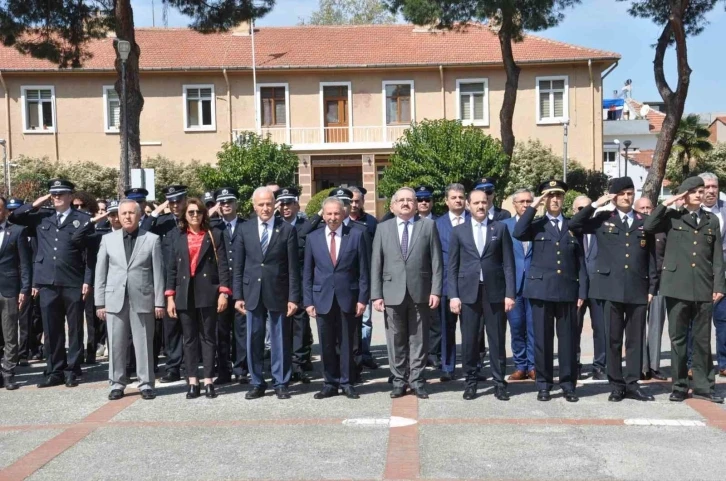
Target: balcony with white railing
332, 138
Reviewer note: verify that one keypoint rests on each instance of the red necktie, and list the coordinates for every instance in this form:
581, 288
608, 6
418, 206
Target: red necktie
333, 257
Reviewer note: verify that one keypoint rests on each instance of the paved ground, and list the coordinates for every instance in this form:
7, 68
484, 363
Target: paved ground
61, 433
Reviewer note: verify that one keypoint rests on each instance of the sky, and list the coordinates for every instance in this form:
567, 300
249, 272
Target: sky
600, 24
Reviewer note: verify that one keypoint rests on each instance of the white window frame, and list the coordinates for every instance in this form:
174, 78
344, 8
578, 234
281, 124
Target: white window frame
565, 101
386, 83
24, 106
106, 111
200, 128
322, 108
478, 123
258, 107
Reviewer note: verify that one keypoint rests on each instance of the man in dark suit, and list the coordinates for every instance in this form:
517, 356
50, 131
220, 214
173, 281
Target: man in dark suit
358, 212
556, 285
424, 207
231, 325
624, 277
692, 281
15, 265
425, 203
594, 305
455, 198
481, 251
62, 277
166, 227
520, 317
266, 282
336, 292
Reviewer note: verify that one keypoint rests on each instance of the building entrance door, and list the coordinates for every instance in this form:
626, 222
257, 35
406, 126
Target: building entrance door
328, 177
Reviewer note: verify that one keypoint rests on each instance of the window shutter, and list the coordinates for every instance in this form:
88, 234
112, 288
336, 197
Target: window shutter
559, 101
478, 106
280, 111
114, 114
205, 93
192, 93
476, 87
544, 105
32, 94
466, 107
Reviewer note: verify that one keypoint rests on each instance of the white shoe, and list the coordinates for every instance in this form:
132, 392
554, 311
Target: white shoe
101, 351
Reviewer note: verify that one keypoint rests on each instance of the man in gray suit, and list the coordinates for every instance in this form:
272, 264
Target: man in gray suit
406, 281
129, 294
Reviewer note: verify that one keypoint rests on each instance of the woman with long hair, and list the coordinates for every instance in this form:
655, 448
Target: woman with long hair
197, 288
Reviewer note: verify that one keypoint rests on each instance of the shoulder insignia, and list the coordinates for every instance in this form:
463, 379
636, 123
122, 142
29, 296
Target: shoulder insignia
77, 223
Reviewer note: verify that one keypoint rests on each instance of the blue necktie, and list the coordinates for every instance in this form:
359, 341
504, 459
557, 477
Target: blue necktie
265, 239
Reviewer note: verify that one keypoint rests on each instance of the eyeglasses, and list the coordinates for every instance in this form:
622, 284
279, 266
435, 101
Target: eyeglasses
424, 200
79, 206
194, 213
524, 201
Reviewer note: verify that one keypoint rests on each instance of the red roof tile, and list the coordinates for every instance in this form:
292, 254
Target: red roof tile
655, 117
644, 158
318, 47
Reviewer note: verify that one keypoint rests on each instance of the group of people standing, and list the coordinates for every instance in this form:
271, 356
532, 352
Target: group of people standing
196, 280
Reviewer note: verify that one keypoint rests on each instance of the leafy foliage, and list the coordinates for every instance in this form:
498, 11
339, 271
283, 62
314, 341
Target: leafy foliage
570, 197
169, 172
316, 201
592, 183
691, 144
713, 161
440, 152
349, 12
659, 11
248, 163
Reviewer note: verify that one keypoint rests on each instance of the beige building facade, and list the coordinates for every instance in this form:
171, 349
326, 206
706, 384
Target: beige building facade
341, 118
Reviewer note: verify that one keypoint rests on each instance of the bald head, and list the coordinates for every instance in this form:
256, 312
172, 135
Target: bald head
643, 206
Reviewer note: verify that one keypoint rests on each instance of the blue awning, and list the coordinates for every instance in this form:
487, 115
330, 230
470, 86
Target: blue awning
613, 104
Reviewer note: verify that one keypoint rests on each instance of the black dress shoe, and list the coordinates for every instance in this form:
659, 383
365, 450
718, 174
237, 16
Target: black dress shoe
90, 360
599, 375
447, 376
242, 379
678, 396
544, 395
11, 385
616, 396
571, 397
170, 377
307, 366
148, 394
709, 397
390, 379
500, 392
645, 376
23, 363
421, 392
255, 393
71, 380
326, 392
301, 376
398, 392
115, 394
638, 395
282, 393
209, 391
657, 375
350, 392
51, 381
222, 380
469, 393
194, 391
370, 364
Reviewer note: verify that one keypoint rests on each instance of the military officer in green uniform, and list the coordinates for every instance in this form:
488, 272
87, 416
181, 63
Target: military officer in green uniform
692, 281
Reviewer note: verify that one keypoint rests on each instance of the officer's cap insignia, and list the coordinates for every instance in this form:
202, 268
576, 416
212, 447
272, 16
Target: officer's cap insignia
57, 183
285, 192
225, 192
553, 183
172, 190
340, 192
76, 223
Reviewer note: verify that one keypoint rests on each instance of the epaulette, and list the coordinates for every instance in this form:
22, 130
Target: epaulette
83, 213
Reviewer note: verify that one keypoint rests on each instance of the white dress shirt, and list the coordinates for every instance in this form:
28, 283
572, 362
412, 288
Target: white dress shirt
559, 218
400, 222
338, 238
720, 213
475, 231
232, 225
453, 218
491, 213
4, 227
261, 228
629, 216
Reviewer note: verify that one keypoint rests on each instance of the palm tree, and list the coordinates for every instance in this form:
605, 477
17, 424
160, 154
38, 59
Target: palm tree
691, 143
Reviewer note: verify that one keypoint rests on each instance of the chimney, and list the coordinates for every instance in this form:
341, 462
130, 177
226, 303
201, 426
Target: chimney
242, 29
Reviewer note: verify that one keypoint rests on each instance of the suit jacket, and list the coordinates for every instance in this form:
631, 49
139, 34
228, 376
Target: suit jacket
347, 282
141, 279
15, 262
444, 227
693, 267
228, 239
496, 264
522, 261
501, 214
557, 272
62, 250
272, 279
625, 268
420, 274
211, 273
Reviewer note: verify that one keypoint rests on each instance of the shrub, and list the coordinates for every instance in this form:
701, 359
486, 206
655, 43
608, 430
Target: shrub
169, 172
316, 201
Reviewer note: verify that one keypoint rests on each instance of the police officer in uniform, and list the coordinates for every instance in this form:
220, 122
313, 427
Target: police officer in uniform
425, 202
625, 278
166, 227
556, 285
62, 277
139, 194
692, 281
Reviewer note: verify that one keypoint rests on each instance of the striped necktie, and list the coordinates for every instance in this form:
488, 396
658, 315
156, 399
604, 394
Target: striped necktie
264, 239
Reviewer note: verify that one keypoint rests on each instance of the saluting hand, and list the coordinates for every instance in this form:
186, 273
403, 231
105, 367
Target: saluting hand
605, 200
99, 217
672, 200
538, 200
40, 201
162, 207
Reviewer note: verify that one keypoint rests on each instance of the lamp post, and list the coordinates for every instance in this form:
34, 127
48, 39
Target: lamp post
6, 166
565, 125
124, 48
627, 144
617, 142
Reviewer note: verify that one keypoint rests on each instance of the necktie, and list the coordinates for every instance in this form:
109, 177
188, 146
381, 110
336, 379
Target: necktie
525, 246
480, 238
695, 218
626, 221
457, 221
333, 255
229, 228
265, 239
556, 223
127, 247
404, 240
586, 242
59, 219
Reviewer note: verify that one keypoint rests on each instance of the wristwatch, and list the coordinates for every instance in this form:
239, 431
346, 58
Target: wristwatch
226, 296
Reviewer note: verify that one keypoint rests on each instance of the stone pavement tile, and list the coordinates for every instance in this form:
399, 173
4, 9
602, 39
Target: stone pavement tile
523, 404
233, 406
49, 406
221, 453
653, 453
16, 444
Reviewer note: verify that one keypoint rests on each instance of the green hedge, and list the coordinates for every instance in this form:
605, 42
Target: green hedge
316, 202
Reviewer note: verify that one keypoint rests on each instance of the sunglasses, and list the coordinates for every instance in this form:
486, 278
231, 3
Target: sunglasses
226, 202
488, 192
424, 200
578, 209
79, 206
194, 213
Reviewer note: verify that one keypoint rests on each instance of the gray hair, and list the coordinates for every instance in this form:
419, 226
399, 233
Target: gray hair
130, 201
455, 187
709, 176
408, 189
581, 197
262, 190
521, 191
356, 190
334, 200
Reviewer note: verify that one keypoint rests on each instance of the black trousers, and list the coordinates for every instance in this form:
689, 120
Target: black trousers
545, 316
199, 327
172, 343
473, 317
599, 332
59, 305
435, 335
358, 343
302, 339
680, 315
335, 330
95, 328
628, 319
30, 329
231, 342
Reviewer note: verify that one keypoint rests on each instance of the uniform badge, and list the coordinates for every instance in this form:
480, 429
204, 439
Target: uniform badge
553, 183
225, 192
172, 190
57, 183
76, 223
709, 239
642, 242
